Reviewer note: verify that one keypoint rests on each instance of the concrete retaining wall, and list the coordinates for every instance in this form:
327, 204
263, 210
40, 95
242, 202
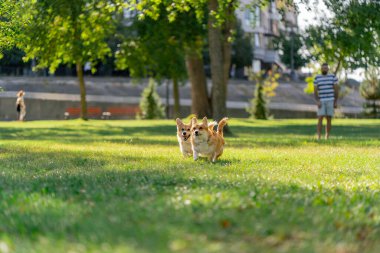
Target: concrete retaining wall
50, 106
38, 109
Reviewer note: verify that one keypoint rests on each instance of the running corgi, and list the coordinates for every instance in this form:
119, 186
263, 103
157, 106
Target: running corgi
205, 141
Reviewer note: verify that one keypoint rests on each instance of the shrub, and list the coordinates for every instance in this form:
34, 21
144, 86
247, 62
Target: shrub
370, 90
265, 88
150, 103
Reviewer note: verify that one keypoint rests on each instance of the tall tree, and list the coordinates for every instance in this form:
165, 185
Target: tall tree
183, 22
68, 32
154, 47
219, 29
200, 105
220, 26
220, 19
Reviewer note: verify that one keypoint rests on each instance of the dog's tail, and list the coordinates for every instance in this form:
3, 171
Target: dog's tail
221, 124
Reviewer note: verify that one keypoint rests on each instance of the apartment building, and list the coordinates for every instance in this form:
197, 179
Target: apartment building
262, 25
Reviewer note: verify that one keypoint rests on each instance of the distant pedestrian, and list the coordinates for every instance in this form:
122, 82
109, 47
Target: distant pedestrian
20, 105
326, 94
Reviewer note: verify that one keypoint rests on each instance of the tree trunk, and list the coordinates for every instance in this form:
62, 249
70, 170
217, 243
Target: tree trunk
229, 25
200, 104
227, 62
167, 105
176, 98
82, 87
218, 75
337, 67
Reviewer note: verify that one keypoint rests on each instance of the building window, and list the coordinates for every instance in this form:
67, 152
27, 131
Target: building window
246, 18
273, 7
257, 16
257, 40
251, 19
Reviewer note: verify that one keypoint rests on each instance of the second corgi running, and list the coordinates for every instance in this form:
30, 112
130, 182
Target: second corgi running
205, 141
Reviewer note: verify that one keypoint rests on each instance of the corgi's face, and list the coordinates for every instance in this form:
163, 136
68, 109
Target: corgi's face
183, 130
199, 129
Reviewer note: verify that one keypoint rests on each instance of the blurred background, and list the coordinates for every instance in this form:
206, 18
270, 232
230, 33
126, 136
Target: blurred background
166, 59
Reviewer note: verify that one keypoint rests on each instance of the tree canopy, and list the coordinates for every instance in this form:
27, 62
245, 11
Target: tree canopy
71, 32
68, 31
10, 22
284, 44
351, 38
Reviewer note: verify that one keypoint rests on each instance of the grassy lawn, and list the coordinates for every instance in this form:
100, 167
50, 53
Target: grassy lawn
122, 186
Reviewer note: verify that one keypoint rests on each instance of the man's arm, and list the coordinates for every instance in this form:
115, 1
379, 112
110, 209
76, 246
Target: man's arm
316, 96
336, 95
336, 92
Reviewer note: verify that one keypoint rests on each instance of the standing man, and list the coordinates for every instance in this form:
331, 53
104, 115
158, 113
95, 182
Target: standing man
326, 92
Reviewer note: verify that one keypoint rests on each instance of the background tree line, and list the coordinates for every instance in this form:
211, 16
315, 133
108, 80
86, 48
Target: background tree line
167, 40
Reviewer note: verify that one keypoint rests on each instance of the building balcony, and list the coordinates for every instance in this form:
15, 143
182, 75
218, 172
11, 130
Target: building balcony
268, 56
291, 18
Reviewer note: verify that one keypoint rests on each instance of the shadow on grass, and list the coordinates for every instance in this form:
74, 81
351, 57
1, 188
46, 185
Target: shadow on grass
79, 199
243, 136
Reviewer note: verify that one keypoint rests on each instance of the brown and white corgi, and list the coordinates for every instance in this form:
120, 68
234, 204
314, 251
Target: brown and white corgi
206, 142
183, 136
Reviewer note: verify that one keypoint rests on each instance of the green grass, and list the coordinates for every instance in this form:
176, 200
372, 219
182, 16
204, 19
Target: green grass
123, 186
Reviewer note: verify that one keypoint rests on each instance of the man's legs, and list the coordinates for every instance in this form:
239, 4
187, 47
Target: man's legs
328, 127
329, 115
319, 126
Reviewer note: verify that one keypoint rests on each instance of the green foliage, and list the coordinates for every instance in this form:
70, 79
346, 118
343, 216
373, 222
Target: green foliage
284, 43
370, 87
258, 108
266, 85
151, 8
13, 56
123, 186
370, 90
10, 22
68, 31
138, 51
309, 88
150, 103
241, 47
349, 39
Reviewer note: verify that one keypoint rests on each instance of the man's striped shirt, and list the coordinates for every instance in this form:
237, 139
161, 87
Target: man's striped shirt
325, 86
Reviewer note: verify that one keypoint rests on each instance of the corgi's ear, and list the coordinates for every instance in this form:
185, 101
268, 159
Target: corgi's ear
179, 122
204, 121
193, 121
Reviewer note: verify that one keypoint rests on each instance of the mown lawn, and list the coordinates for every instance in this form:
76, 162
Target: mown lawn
123, 186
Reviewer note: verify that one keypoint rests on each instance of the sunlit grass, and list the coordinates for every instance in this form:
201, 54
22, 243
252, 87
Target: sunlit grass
123, 186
